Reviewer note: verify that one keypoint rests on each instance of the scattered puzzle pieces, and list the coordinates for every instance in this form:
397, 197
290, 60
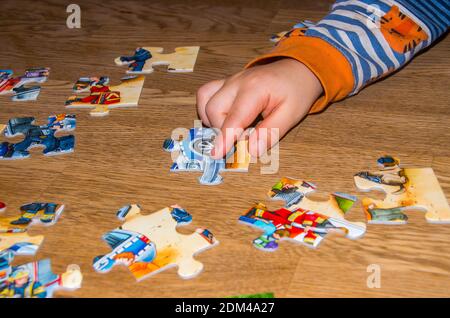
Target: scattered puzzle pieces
182, 60
102, 97
148, 244
16, 86
13, 230
35, 279
193, 154
38, 136
302, 220
406, 189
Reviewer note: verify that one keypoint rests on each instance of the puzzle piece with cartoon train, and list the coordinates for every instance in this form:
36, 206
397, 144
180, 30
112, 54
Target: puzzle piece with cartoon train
35, 279
192, 151
36, 212
300, 225
148, 244
406, 189
38, 136
144, 58
16, 86
102, 97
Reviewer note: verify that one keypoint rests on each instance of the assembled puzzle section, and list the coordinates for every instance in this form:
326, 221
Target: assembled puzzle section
13, 230
102, 97
18, 87
144, 58
406, 189
35, 279
301, 220
148, 244
38, 136
192, 152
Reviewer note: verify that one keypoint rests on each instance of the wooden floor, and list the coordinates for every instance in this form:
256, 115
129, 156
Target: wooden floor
119, 160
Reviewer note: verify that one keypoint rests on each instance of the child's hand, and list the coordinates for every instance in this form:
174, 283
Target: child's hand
282, 92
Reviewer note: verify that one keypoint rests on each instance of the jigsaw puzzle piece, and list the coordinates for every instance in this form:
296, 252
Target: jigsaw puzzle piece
36, 212
294, 193
20, 243
193, 153
406, 189
15, 86
102, 97
141, 62
150, 243
35, 279
38, 136
299, 225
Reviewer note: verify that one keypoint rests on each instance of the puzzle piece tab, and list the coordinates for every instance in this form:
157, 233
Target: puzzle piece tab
102, 97
35, 279
36, 212
38, 136
406, 189
302, 220
16, 86
148, 244
141, 62
193, 154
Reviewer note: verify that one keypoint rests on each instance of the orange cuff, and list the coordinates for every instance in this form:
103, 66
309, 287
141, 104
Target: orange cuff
328, 64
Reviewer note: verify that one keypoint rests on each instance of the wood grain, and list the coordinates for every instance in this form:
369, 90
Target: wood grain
118, 159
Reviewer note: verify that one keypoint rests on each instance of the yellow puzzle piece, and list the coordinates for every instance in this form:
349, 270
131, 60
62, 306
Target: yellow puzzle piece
406, 189
103, 97
144, 58
148, 244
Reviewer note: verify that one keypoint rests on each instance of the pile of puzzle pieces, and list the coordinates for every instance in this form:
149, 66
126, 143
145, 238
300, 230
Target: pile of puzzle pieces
35, 279
101, 97
301, 220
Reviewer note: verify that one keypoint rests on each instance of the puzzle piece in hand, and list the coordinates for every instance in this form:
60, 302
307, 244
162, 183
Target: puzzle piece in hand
302, 219
35, 279
36, 212
38, 136
148, 244
16, 86
103, 97
182, 60
406, 189
193, 154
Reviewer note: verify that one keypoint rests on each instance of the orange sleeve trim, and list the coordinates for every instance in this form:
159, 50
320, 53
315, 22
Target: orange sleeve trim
329, 65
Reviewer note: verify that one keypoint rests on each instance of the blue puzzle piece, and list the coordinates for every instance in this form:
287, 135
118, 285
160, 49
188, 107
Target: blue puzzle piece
38, 136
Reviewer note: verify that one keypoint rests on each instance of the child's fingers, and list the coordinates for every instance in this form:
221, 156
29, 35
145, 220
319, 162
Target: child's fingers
204, 94
269, 131
219, 105
246, 107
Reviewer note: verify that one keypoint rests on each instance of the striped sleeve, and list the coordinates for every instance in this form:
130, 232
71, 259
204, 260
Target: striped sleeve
364, 40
